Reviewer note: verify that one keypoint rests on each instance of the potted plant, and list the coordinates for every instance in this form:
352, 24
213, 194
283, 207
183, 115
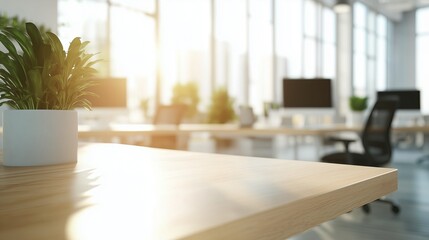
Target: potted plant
221, 109
43, 84
358, 105
144, 106
187, 94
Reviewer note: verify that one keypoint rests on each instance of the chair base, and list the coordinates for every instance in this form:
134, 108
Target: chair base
423, 159
393, 206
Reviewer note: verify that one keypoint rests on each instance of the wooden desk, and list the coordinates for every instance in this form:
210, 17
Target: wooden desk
129, 192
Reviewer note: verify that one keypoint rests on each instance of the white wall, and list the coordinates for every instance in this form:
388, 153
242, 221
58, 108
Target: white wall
403, 71
38, 11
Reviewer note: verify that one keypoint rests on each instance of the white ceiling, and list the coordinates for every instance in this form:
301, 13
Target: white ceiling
400, 5
391, 8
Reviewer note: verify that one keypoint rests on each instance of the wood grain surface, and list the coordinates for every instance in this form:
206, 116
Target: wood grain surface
129, 192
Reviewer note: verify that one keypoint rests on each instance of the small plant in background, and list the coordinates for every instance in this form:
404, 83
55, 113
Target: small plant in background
144, 106
186, 94
358, 104
17, 22
221, 108
270, 106
36, 72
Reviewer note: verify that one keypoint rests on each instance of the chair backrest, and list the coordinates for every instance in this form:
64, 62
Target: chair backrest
246, 117
169, 114
376, 134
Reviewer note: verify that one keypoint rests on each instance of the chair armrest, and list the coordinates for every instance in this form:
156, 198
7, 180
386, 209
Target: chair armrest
346, 141
339, 139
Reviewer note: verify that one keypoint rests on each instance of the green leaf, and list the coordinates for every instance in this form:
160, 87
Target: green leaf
23, 41
40, 74
35, 35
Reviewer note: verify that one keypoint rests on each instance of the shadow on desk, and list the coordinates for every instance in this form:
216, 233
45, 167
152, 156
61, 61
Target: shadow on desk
48, 206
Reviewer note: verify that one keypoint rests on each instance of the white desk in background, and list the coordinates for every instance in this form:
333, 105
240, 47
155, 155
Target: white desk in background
126, 131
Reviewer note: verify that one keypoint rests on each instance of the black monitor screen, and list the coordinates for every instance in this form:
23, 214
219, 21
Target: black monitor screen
111, 93
307, 93
407, 99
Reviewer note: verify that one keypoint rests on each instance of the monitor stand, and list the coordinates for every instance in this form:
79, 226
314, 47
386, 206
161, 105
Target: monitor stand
306, 117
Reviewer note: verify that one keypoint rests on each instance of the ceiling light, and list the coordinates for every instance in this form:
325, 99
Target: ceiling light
342, 6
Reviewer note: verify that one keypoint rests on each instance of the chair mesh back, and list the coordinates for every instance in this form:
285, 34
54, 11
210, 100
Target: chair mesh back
376, 134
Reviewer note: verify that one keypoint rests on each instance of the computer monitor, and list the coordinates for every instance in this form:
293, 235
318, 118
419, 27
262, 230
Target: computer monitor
109, 103
109, 93
408, 111
307, 101
307, 94
407, 99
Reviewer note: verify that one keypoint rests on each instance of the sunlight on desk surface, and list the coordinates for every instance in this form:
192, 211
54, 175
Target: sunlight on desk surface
122, 192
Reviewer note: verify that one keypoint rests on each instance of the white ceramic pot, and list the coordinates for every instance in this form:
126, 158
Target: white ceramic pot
39, 137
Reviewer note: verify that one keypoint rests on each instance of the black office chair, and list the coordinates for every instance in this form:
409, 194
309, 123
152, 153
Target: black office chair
376, 144
167, 115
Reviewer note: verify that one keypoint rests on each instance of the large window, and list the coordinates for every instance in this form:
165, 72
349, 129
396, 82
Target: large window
260, 54
319, 41
382, 46
360, 49
422, 58
248, 46
370, 38
123, 33
92, 26
231, 46
305, 34
133, 49
185, 45
328, 44
289, 35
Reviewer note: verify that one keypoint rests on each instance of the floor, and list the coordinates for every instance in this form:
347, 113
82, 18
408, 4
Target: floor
411, 224
413, 195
